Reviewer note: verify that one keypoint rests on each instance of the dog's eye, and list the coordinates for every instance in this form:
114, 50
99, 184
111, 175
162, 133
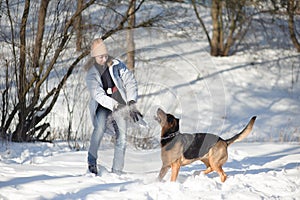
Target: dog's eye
170, 119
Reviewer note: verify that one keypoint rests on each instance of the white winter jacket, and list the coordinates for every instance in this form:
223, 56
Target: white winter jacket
123, 79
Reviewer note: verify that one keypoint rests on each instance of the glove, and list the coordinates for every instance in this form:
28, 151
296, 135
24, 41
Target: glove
133, 111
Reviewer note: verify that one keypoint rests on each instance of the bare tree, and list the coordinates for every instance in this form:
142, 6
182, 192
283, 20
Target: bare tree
34, 52
229, 24
32, 68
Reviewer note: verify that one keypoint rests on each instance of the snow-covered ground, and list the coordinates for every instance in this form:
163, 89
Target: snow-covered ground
217, 95
53, 171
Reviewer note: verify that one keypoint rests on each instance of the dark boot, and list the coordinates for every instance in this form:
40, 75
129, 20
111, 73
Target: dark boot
93, 169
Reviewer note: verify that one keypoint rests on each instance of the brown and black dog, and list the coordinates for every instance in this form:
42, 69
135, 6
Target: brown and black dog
179, 149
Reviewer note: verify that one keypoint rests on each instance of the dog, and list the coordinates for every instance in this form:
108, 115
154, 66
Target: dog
179, 149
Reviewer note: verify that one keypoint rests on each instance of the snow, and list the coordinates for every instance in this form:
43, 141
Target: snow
217, 95
53, 171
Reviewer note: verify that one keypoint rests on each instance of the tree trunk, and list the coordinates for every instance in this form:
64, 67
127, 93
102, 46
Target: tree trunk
40, 33
20, 136
78, 26
220, 29
130, 36
291, 8
216, 37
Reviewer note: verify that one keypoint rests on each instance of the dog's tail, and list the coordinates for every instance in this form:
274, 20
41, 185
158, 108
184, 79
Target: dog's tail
243, 133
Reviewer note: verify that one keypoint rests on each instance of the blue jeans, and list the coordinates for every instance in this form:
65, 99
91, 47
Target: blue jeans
100, 125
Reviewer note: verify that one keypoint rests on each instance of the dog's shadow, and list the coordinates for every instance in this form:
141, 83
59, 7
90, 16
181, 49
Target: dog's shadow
194, 170
260, 164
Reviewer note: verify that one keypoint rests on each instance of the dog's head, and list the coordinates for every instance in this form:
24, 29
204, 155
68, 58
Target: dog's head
168, 123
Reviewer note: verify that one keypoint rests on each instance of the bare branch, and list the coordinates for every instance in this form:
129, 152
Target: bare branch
201, 22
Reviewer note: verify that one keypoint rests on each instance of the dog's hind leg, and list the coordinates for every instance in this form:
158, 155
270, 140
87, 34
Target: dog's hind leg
208, 170
216, 166
163, 172
222, 174
218, 158
208, 167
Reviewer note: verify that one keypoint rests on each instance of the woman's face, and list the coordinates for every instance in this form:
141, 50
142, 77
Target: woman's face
101, 60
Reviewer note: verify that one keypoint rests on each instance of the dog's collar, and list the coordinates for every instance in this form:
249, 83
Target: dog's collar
170, 135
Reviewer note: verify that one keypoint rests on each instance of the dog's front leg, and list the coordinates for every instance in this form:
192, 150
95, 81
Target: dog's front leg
163, 172
175, 169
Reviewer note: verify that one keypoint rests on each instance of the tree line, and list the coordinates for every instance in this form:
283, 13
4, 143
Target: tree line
36, 34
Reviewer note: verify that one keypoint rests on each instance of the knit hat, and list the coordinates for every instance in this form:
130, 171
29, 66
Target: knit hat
98, 48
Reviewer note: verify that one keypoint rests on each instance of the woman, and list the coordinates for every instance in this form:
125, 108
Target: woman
111, 86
